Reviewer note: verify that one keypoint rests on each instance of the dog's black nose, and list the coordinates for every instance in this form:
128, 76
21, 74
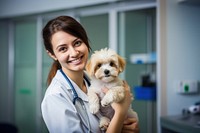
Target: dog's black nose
106, 72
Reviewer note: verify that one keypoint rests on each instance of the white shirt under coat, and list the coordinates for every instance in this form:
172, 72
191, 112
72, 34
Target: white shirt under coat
59, 112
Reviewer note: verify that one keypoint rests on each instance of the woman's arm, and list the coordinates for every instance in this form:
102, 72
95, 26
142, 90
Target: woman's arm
120, 109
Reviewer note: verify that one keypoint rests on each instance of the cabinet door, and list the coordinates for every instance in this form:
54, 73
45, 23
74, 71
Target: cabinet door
137, 35
25, 76
4, 88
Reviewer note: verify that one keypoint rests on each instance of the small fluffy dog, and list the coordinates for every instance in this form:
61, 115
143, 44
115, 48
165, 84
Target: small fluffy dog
104, 68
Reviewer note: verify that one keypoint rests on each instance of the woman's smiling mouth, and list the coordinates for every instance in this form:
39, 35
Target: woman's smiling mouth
76, 61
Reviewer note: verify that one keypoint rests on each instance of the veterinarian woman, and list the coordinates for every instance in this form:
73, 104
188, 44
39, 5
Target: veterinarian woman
65, 104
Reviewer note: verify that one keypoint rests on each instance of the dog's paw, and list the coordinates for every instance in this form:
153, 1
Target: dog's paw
94, 108
105, 103
104, 122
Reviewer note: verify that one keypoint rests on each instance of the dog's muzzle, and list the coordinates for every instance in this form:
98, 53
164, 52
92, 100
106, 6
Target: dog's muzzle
107, 73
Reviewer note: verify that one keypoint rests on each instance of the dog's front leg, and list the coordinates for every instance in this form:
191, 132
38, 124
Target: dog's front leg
93, 101
115, 94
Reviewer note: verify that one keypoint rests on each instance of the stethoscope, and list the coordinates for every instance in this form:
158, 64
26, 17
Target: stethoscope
77, 101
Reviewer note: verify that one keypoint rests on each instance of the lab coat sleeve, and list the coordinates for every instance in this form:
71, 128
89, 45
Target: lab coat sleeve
60, 115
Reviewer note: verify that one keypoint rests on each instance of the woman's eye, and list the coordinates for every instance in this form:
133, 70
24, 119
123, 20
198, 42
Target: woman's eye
62, 49
78, 43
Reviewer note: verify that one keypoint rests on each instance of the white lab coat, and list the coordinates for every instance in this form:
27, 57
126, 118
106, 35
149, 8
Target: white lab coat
59, 112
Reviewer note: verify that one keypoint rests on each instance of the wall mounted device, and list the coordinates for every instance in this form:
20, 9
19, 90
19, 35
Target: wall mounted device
187, 86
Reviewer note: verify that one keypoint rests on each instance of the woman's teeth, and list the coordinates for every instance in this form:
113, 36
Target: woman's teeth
76, 60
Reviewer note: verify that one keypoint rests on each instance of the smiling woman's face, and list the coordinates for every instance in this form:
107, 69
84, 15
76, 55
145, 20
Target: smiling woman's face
70, 51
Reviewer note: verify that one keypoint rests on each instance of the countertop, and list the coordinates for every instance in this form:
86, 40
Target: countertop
182, 123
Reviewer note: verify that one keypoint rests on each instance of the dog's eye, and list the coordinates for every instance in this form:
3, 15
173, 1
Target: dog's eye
99, 65
111, 64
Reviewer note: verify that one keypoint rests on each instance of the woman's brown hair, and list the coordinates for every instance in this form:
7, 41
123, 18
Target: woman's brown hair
68, 25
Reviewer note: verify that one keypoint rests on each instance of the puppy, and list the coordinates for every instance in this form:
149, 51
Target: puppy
104, 68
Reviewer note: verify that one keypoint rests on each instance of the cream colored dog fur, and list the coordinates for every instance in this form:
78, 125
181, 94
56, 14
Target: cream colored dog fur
104, 68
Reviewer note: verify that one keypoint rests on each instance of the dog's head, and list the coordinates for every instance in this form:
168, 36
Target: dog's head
105, 65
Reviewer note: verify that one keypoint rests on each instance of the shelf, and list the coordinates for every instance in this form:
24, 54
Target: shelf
181, 123
191, 2
143, 58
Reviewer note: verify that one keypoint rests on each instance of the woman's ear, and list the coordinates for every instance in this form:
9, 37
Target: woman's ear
51, 55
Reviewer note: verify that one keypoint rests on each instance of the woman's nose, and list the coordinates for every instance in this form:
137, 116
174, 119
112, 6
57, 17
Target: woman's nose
73, 52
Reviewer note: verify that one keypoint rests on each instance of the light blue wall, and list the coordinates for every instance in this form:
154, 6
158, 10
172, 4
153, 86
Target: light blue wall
183, 52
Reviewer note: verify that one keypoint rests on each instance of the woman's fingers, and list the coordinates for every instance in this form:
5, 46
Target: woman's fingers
130, 125
126, 86
130, 120
127, 89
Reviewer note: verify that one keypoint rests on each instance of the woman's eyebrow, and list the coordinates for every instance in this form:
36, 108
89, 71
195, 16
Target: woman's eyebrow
61, 45
75, 40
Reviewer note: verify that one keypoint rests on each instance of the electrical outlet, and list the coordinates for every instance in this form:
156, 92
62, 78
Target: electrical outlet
187, 86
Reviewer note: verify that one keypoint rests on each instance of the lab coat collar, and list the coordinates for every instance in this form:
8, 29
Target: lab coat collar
80, 93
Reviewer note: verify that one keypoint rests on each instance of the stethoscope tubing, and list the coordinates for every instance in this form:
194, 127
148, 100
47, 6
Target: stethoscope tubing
76, 97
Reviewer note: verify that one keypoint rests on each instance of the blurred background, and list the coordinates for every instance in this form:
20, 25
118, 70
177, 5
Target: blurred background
160, 40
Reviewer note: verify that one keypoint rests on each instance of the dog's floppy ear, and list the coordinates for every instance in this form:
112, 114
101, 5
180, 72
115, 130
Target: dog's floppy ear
88, 67
122, 63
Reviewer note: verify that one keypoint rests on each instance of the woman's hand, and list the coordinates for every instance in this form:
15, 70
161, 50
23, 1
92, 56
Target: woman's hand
123, 106
119, 123
121, 109
130, 126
